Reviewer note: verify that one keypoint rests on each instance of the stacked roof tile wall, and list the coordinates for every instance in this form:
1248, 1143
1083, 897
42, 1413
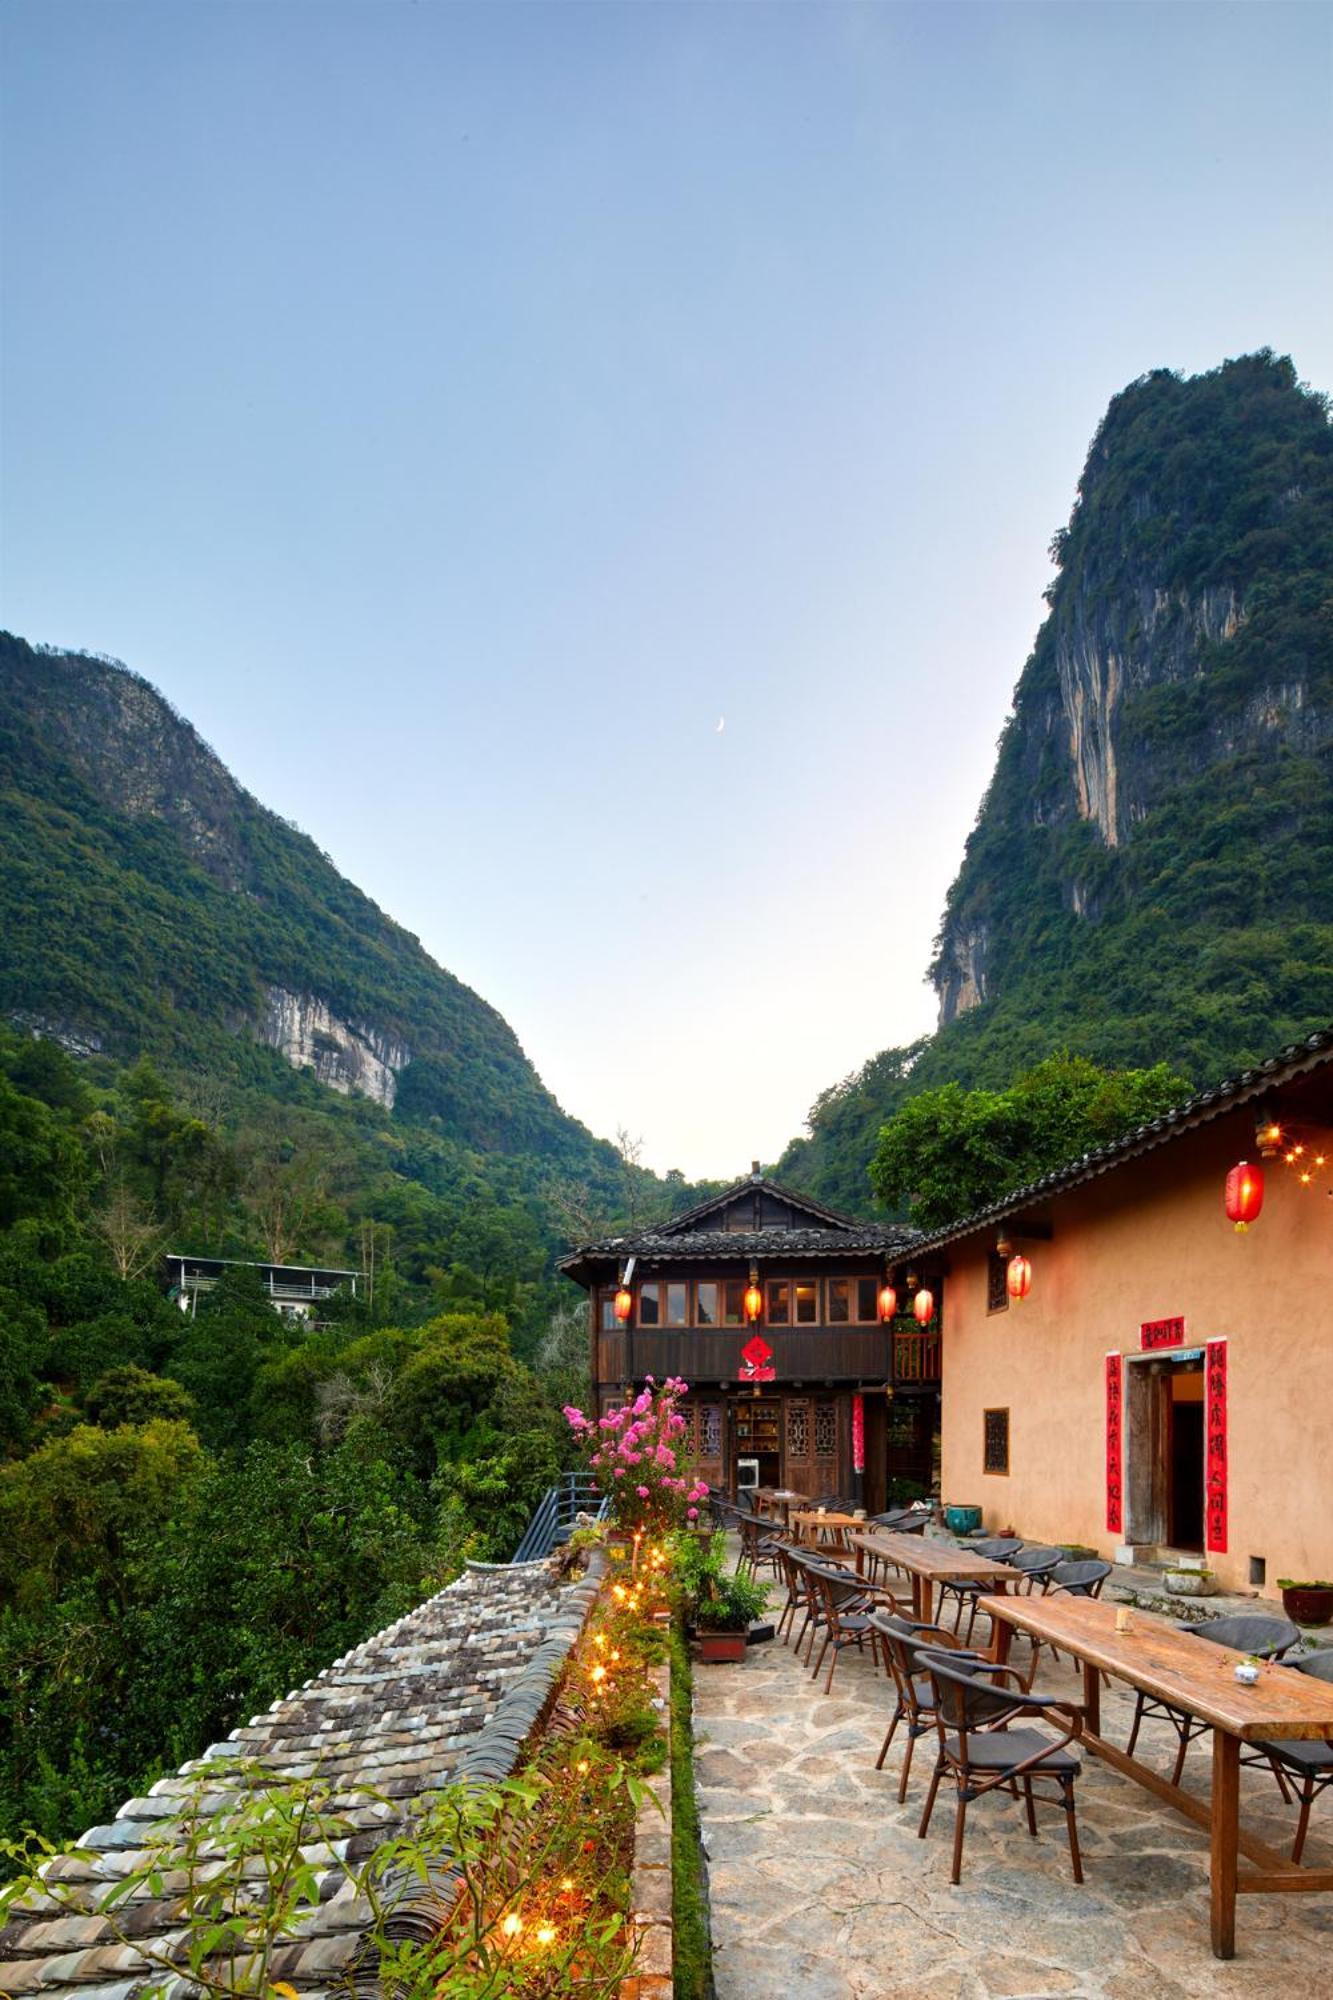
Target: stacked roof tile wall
450, 1691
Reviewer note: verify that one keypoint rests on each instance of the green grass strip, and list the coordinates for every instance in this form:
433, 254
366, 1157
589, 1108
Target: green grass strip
692, 1944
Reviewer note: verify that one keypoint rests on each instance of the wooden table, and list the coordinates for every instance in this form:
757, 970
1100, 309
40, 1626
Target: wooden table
827, 1530
776, 1501
929, 1563
1196, 1676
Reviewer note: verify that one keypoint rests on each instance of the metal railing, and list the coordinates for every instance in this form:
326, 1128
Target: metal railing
556, 1513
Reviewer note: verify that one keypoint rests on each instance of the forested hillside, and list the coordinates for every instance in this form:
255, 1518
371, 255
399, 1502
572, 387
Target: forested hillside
211, 1043
149, 904
1150, 878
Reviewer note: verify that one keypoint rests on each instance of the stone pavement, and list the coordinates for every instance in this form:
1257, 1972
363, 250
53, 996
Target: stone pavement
821, 1890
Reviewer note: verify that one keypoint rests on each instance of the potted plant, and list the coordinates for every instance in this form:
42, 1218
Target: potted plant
723, 1614
1307, 1603
962, 1520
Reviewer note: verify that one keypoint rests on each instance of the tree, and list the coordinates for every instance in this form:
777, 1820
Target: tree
951, 1151
287, 1197
131, 1395
130, 1231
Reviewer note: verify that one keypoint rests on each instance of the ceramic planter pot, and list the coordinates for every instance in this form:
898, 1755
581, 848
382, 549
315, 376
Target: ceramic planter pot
1309, 1604
962, 1520
715, 1647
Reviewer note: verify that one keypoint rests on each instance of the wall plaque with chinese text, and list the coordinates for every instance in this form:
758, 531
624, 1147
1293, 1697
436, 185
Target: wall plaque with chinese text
1161, 1333
1115, 1445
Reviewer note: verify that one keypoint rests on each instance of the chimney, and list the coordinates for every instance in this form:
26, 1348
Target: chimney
755, 1174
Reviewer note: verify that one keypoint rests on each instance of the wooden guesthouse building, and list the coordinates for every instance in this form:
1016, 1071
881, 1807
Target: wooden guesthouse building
770, 1306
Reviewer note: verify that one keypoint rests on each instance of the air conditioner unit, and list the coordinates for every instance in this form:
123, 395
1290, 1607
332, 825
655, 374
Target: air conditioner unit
747, 1473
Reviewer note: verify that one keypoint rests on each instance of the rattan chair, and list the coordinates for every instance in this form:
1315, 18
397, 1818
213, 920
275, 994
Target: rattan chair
1255, 1632
996, 1548
981, 1752
1305, 1769
914, 1694
845, 1603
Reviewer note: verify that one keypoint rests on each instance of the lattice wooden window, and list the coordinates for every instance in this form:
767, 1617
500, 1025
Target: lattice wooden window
826, 1430
710, 1430
995, 1442
798, 1430
997, 1288
689, 1437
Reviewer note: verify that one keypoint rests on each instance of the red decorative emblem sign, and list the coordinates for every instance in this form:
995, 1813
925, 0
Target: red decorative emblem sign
1215, 1444
1162, 1333
757, 1361
1115, 1419
858, 1433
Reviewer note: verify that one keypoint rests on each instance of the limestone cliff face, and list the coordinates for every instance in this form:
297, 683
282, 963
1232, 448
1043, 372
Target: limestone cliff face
349, 1057
1145, 674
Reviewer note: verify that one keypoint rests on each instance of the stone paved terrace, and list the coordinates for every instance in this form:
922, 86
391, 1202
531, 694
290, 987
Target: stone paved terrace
451, 1689
821, 1889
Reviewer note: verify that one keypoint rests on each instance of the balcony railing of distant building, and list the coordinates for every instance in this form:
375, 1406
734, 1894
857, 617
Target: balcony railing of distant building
800, 1354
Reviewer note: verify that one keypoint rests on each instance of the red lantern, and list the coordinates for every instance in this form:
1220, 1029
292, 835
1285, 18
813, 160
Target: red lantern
923, 1307
1244, 1195
888, 1301
624, 1305
754, 1301
1018, 1278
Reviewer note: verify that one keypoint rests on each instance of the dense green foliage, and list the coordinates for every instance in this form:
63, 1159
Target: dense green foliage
951, 1151
198, 1510
1199, 561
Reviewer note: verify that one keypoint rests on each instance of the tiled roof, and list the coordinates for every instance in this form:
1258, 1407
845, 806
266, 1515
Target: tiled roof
651, 1245
752, 1183
1296, 1060
449, 1691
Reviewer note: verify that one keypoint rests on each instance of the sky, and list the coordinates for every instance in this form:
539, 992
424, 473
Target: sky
592, 466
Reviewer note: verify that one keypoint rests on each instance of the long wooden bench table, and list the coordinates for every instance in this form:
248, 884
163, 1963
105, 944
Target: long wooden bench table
1194, 1675
929, 1563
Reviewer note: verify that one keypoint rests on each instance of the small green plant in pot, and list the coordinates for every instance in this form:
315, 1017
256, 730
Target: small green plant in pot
724, 1613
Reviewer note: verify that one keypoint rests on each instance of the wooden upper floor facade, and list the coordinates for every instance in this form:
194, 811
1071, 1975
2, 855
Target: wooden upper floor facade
758, 1284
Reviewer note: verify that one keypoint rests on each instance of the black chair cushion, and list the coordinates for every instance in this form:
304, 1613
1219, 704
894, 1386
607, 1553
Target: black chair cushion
1313, 1756
998, 1749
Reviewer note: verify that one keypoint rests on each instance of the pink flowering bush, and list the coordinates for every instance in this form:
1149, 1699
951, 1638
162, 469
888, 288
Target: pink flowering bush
636, 1456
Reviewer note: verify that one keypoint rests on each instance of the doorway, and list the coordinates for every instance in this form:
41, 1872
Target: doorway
1164, 1468
1184, 1471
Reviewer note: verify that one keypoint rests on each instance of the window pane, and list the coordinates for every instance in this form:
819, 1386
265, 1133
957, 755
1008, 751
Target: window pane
779, 1302
839, 1302
733, 1302
807, 1304
867, 1298
677, 1304
705, 1303
650, 1313
609, 1320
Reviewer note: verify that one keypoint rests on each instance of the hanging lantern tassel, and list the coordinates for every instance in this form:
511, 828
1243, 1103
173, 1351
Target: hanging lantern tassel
888, 1300
1018, 1278
1244, 1195
923, 1306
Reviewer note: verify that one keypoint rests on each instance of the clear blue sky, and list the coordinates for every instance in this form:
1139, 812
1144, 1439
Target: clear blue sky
458, 410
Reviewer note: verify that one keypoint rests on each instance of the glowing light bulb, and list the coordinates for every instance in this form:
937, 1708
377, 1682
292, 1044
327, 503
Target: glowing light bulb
512, 1925
583, 1768
545, 1934
567, 1883
1306, 1179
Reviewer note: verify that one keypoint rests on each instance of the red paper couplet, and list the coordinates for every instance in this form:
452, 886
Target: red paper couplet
1162, 1333
858, 1433
1215, 1444
1115, 1412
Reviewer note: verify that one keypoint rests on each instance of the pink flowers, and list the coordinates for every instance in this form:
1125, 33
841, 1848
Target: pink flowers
644, 1433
